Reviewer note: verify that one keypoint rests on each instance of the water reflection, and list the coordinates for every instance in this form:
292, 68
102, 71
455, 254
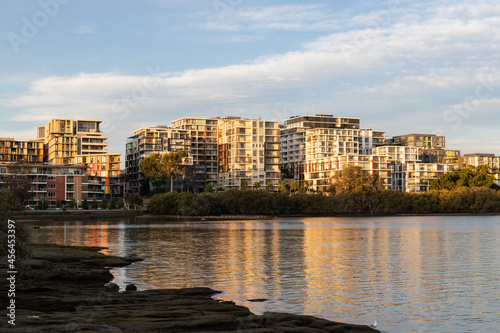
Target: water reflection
412, 274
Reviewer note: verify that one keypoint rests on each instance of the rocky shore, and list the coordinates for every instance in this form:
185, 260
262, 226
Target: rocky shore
65, 289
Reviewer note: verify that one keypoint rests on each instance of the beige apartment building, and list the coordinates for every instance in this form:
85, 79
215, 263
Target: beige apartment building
81, 142
249, 150
66, 138
477, 159
293, 139
19, 151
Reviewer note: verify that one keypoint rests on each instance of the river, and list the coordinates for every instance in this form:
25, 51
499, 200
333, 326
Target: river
411, 274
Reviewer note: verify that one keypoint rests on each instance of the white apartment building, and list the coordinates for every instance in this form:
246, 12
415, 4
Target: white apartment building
319, 172
249, 150
477, 159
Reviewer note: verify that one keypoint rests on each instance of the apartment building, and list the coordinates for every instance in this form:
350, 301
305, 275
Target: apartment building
105, 171
160, 140
249, 150
66, 138
18, 151
81, 142
319, 171
477, 159
293, 139
418, 176
203, 144
52, 182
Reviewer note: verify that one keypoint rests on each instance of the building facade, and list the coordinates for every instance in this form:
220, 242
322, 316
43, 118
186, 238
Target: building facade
249, 152
24, 152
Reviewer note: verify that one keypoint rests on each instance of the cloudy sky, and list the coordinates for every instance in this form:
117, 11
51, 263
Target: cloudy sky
402, 66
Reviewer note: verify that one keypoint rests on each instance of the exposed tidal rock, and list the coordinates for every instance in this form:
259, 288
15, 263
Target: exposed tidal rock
62, 289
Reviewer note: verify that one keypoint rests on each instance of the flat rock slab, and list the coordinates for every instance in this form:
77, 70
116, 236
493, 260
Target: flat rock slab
62, 289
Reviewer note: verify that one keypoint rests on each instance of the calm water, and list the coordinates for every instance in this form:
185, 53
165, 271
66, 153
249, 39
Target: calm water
411, 274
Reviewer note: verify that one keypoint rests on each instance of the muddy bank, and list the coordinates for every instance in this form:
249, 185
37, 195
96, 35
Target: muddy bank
63, 289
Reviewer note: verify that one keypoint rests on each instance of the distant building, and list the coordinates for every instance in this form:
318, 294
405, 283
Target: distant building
249, 150
81, 142
293, 140
477, 159
25, 152
52, 182
160, 140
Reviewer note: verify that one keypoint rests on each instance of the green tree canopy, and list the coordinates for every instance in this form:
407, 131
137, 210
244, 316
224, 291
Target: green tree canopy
294, 186
162, 167
353, 179
468, 177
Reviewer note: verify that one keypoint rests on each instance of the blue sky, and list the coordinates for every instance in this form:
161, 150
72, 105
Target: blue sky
401, 66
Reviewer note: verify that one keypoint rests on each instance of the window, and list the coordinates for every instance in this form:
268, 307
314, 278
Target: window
51, 194
51, 186
51, 178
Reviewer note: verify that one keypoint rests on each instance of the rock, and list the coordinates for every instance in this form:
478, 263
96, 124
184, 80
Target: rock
130, 287
113, 287
65, 290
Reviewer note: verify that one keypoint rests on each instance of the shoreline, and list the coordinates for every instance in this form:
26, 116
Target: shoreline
32, 216
63, 288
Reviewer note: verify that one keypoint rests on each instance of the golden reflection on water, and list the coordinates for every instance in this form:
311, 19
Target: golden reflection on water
404, 272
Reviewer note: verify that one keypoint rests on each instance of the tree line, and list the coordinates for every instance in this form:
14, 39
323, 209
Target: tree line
385, 202
351, 191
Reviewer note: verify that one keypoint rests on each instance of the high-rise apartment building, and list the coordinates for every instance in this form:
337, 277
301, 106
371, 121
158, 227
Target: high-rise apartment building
294, 151
249, 151
203, 143
81, 142
155, 140
66, 138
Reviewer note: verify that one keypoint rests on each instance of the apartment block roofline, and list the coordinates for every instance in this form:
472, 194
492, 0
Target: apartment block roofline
418, 134
480, 154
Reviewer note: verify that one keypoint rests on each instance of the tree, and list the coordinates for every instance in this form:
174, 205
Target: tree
469, 177
353, 179
282, 188
151, 167
42, 204
243, 184
256, 185
72, 203
104, 203
121, 204
94, 204
172, 164
270, 186
133, 199
294, 186
18, 182
112, 203
58, 203
209, 188
160, 167
304, 186
85, 204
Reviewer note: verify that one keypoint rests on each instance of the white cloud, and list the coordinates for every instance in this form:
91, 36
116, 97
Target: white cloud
401, 73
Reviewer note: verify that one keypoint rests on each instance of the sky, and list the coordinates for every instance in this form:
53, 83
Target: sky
401, 66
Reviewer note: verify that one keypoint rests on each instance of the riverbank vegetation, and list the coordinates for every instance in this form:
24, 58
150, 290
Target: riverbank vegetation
476, 200
352, 191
